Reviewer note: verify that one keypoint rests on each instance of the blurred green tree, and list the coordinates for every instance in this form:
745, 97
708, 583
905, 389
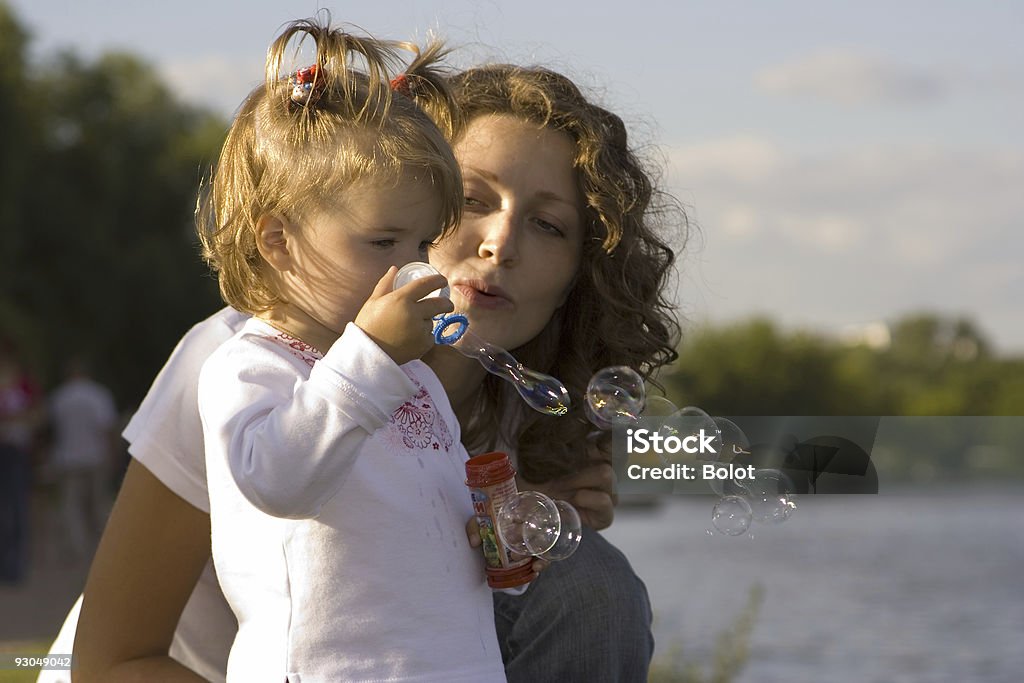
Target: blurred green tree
99, 252
751, 368
933, 365
18, 140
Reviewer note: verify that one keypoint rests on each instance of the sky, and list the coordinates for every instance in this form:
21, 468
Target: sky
843, 163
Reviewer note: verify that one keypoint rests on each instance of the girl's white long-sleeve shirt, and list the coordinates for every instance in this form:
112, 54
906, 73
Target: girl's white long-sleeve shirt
338, 508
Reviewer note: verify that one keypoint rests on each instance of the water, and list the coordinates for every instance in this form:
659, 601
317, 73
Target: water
913, 586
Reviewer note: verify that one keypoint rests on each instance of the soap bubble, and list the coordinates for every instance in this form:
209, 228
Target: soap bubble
734, 441
615, 395
543, 393
771, 496
731, 438
529, 523
731, 515
570, 535
533, 524
696, 421
692, 421
658, 406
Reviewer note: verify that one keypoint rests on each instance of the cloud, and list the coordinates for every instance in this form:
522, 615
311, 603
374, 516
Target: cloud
847, 236
212, 80
740, 221
740, 157
851, 78
827, 232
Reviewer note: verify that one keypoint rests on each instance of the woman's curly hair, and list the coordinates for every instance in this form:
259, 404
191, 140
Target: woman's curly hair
617, 312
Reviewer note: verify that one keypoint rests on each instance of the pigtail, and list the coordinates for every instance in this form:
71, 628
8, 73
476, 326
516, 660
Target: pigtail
350, 75
426, 82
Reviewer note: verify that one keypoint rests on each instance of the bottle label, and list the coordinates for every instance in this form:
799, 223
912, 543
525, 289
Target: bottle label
486, 503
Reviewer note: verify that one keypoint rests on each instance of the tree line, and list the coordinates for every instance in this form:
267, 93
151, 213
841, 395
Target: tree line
99, 170
927, 366
100, 165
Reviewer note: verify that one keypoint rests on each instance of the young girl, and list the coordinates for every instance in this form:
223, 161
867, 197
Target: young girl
334, 463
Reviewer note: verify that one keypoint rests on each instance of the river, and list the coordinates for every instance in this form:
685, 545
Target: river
908, 586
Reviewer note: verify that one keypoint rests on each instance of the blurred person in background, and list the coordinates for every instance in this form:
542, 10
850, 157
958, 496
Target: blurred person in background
19, 415
84, 422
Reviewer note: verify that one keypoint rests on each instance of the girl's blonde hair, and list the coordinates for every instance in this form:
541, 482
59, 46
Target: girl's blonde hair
617, 312
294, 156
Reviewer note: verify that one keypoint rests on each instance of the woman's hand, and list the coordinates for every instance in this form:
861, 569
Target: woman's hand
590, 490
400, 321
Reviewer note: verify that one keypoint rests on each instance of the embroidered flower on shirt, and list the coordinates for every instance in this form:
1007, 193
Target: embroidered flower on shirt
306, 353
417, 424
415, 419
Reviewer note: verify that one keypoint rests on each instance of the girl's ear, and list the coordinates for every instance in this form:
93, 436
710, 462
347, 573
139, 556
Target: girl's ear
272, 241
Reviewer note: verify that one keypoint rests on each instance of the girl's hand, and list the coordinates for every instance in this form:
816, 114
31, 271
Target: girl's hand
397, 321
473, 534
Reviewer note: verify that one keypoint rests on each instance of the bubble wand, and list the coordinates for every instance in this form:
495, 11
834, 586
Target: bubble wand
543, 393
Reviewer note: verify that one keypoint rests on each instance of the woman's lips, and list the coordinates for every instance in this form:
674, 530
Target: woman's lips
480, 295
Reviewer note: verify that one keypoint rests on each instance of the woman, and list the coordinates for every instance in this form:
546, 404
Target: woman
555, 259
557, 262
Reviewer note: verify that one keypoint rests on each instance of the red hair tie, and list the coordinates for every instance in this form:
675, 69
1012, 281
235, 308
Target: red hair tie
306, 87
402, 85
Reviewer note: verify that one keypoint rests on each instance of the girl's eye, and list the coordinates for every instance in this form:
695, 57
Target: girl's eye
426, 244
472, 202
383, 244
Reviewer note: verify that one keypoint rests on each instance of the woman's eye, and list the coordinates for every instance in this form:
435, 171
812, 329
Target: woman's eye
472, 202
383, 244
427, 244
549, 227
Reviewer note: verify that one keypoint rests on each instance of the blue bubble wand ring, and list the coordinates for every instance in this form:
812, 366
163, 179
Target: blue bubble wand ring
446, 320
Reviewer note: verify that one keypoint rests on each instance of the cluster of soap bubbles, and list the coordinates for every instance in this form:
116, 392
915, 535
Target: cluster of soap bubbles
534, 524
617, 396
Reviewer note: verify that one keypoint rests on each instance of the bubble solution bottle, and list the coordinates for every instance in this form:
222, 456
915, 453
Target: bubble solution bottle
492, 483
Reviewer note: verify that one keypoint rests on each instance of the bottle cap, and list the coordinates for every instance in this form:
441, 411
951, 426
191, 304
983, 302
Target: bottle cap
487, 469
